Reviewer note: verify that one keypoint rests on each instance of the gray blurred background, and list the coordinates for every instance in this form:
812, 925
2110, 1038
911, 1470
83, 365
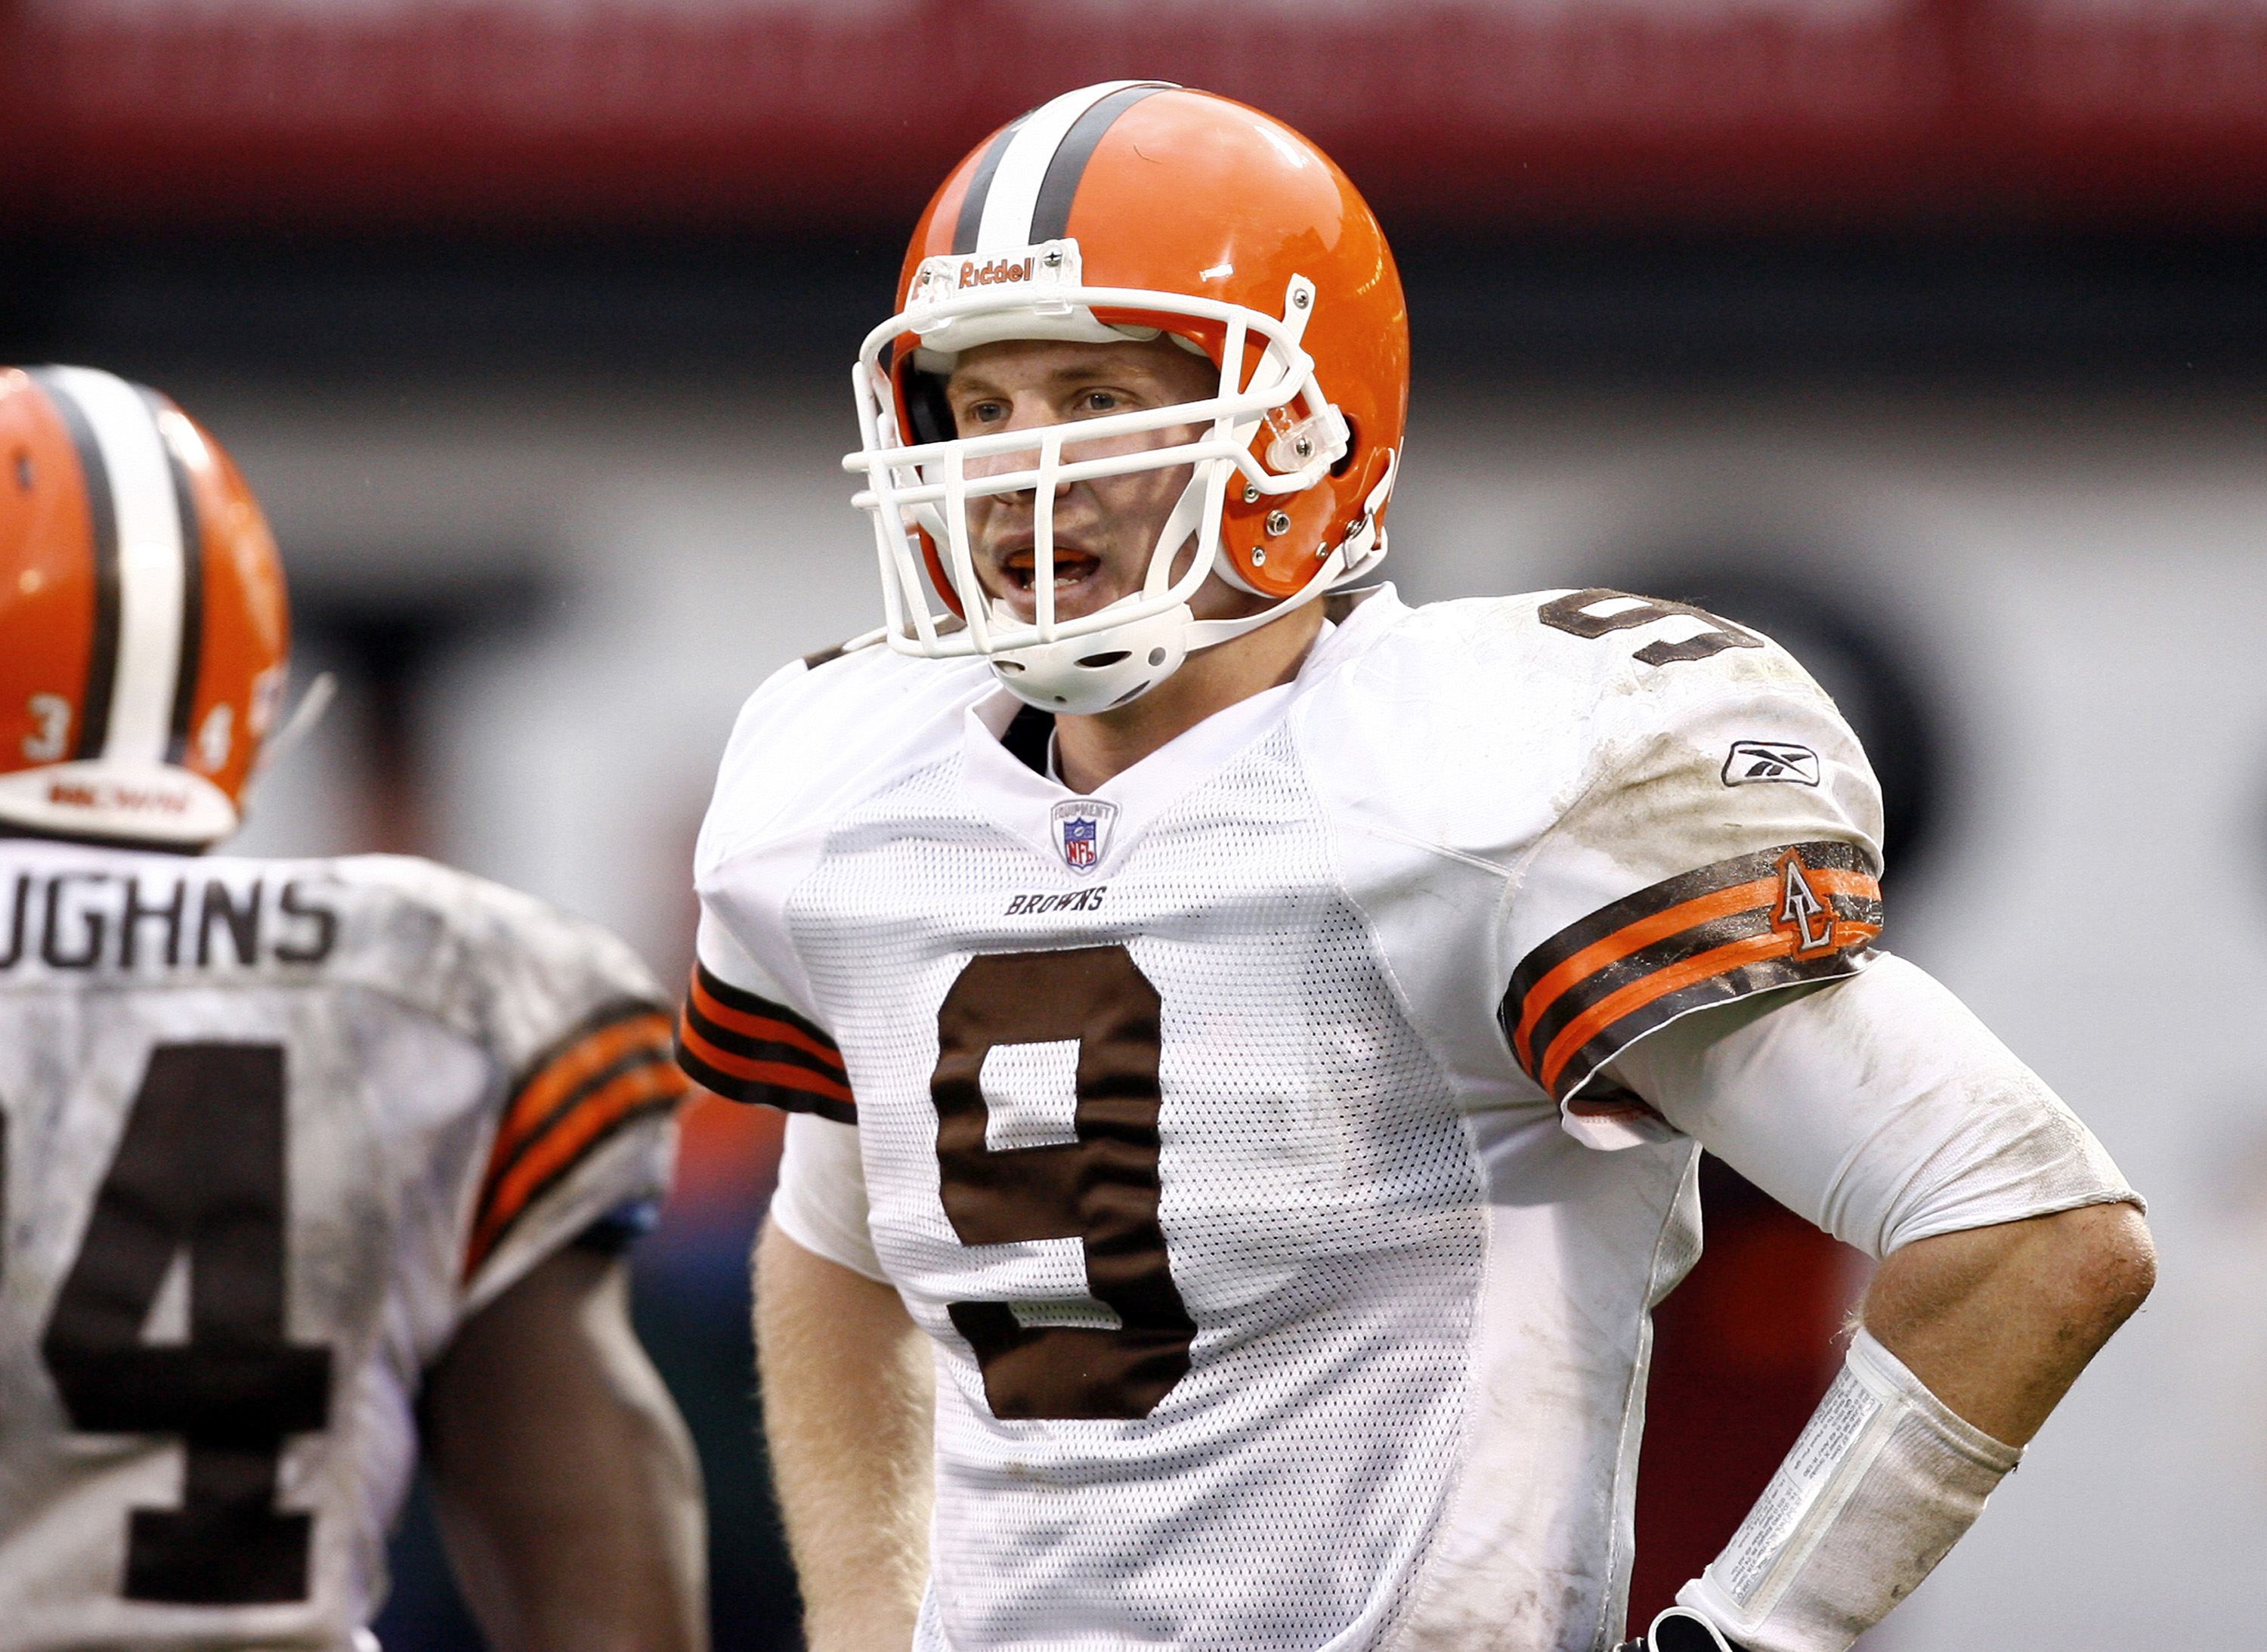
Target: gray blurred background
1930, 335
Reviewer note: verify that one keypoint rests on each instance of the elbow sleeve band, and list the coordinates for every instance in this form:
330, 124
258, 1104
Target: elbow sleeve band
1884, 1479
1877, 1107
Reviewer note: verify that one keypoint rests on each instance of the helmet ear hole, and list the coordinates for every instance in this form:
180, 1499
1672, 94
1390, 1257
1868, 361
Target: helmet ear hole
928, 411
1353, 448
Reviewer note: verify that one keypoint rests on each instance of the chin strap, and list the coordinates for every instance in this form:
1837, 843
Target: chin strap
1211, 632
1103, 669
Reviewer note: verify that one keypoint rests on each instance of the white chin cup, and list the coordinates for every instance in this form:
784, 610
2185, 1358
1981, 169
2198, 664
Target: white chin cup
1110, 667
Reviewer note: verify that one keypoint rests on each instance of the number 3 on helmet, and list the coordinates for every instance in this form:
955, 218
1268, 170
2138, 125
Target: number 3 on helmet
1133, 209
143, 621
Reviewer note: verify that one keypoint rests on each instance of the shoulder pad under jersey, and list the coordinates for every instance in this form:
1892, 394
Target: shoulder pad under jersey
811, 735
501, 968
576, 1023
1681, 815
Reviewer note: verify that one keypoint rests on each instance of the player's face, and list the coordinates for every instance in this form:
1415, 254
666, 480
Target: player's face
1105, 529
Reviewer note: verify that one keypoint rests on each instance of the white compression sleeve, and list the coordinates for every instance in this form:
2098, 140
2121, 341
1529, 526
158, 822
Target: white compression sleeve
1878, 1108
1883, 1482
821, 1200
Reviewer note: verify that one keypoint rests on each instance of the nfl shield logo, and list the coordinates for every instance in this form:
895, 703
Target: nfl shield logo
1082, 831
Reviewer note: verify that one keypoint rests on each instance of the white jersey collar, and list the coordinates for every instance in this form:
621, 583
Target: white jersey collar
999, 786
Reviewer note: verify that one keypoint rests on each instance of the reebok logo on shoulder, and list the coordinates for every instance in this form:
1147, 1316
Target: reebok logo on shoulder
1757, 762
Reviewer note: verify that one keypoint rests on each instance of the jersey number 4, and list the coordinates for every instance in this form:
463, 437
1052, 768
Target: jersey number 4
1101, 1188
200, 1170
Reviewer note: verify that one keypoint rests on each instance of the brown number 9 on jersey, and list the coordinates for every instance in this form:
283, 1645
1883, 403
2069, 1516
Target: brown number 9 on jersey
1102, 1189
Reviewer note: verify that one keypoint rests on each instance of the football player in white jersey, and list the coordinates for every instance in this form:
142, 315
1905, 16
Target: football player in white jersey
303, 1160
1250, 1041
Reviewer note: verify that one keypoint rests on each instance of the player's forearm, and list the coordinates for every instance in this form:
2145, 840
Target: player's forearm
1998, 1321
847, 1399
565, 1481
1970, 1338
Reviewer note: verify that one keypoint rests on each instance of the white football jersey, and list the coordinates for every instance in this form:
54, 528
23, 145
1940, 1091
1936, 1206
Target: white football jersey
273, 1130
1232, 1131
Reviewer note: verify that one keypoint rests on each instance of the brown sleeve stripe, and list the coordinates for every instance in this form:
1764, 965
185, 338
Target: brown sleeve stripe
1650, 942
1803, 912
652, 1089
747, 1049
771, 1083
614, 1070
747, 1017
600, 1039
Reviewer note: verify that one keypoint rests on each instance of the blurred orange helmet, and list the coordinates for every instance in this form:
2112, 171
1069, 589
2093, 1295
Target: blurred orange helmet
142, 620
1132, 209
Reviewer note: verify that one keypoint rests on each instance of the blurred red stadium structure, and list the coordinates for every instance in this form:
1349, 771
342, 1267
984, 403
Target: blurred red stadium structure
1452, 114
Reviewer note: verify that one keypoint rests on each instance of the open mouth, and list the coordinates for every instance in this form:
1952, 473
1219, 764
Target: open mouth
1082, 583
1073, 568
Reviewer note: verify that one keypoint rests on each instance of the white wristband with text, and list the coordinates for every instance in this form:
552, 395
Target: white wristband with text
1883, 1482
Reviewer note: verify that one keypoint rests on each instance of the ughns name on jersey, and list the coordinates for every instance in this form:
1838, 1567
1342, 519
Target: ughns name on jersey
81, 919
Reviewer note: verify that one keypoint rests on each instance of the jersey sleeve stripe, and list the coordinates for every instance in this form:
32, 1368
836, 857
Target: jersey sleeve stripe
602, 1039
760, 1065
723, 994
1803, 912
639, 1087
1820, 857
768, 1036
1655, 945
748, 1048
1633, 940
771, 1083
509, 1149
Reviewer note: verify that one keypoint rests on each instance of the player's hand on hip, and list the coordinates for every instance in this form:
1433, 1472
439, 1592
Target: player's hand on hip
1681, 1629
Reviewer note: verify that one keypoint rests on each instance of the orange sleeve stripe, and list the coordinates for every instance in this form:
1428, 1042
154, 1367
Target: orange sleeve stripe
1634, 937
757, 1026
778, 1073
1643, 991
540, 1097
642, 1089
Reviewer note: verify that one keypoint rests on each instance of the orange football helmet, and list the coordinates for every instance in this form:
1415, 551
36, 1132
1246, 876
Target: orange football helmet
1123, 210
143, 621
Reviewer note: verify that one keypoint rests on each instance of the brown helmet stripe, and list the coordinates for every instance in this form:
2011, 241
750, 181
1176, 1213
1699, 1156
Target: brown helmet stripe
1028, 173
102, 512
1051, 210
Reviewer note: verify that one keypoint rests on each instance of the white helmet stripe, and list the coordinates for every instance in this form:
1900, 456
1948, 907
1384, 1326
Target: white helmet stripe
1013, 195
152, 563
193, 585
102, 644
980, 188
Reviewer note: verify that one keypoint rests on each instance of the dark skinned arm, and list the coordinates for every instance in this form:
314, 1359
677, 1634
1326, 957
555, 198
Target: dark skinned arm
563, 1479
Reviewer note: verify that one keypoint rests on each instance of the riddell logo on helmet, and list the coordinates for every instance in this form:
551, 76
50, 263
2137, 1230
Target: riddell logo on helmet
78, 794
996, 273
